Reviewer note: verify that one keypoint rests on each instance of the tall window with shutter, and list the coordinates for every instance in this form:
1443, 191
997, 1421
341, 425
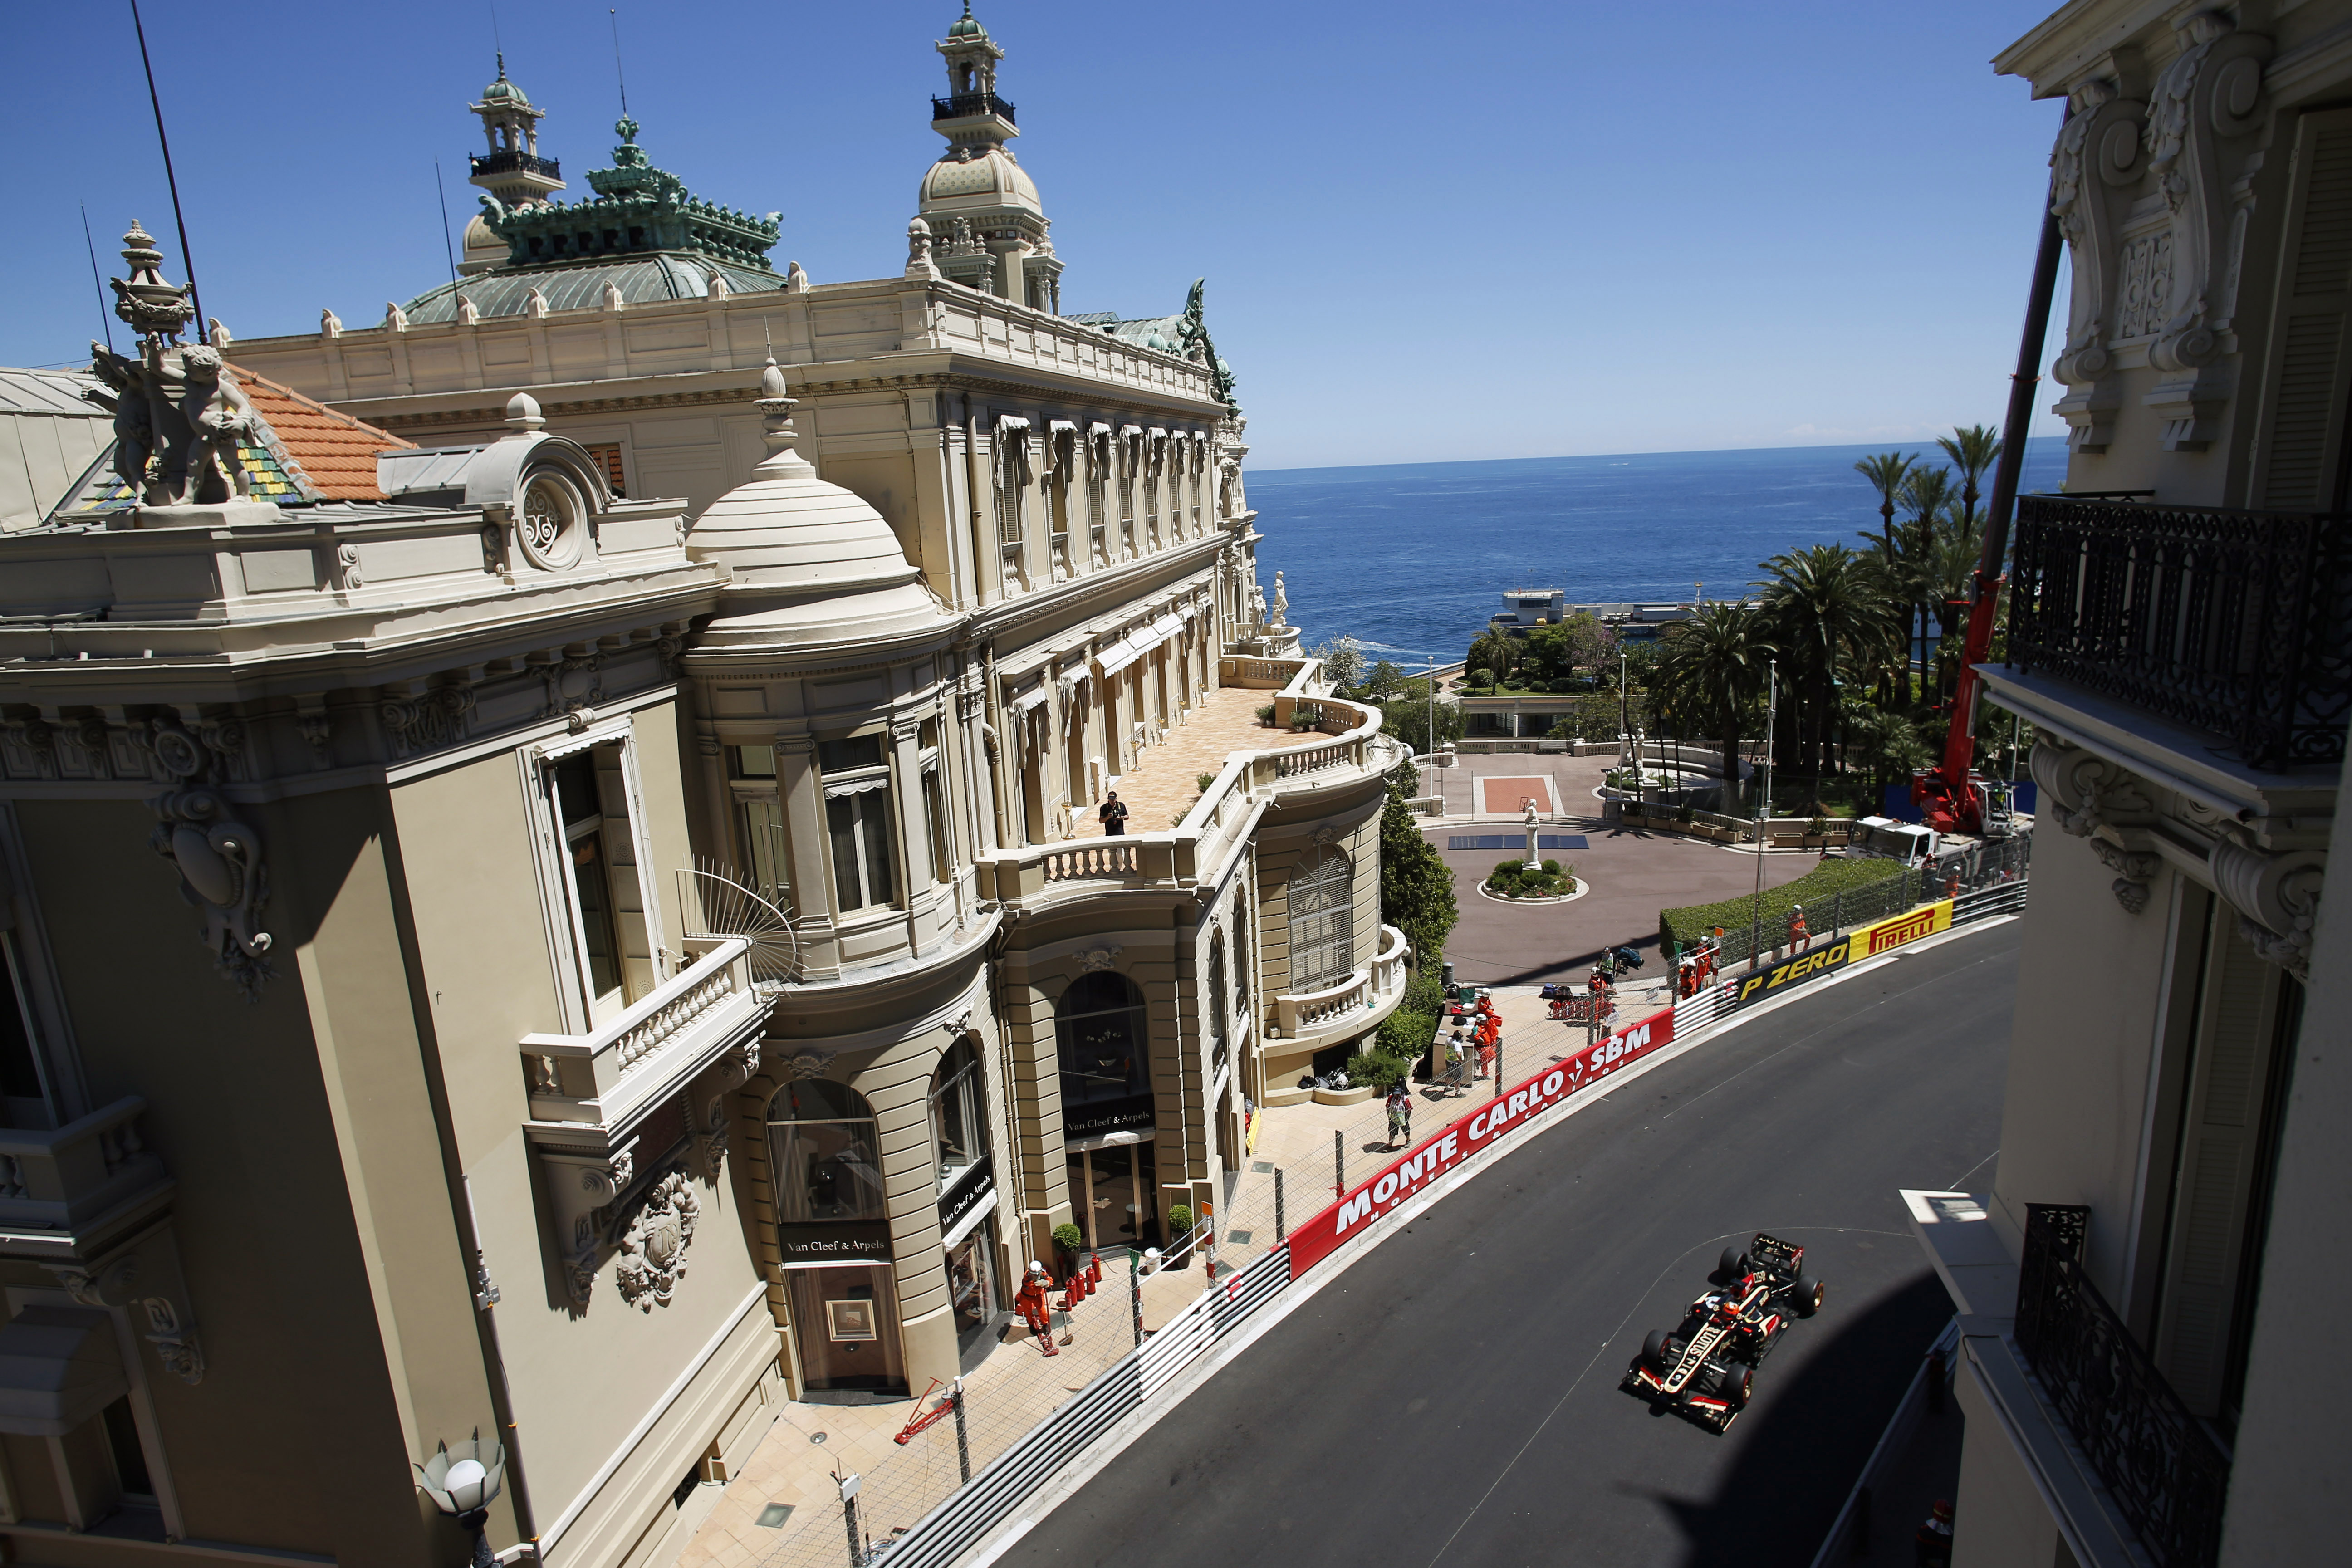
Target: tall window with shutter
2300, 466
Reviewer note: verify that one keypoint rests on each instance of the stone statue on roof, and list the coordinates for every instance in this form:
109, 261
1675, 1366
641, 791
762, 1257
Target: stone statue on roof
178, 414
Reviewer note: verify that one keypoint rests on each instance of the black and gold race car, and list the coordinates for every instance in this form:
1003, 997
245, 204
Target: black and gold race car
1706, 1368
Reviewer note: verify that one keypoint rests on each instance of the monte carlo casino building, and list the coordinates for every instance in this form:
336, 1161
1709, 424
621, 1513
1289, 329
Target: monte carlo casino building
596, 782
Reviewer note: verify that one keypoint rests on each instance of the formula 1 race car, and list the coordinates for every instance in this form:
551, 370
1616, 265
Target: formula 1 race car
1706, 1368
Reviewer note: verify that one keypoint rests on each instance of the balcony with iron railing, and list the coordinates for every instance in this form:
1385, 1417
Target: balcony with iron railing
2235, 626
2166, 1471
971, 106
510, 161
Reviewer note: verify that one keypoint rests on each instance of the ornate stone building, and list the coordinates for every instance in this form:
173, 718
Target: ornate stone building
599, 773
2142, 1286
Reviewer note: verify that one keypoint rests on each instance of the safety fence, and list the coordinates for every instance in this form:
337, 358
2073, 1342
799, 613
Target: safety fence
959, 1483
1988, 866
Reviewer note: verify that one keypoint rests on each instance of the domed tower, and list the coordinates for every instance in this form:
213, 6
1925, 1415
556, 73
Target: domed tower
989, 228
512, 169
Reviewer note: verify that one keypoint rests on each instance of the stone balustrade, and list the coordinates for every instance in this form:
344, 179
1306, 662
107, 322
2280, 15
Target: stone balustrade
607, 1075
1308, 1020
68, 1192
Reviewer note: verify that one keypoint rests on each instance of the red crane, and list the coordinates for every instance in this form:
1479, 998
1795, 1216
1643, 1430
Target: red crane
1950, 797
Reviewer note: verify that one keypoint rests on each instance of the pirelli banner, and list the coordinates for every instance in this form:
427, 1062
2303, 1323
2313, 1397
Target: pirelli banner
1865, 941
1493, 1119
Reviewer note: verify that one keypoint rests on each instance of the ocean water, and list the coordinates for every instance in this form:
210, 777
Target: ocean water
1414, 557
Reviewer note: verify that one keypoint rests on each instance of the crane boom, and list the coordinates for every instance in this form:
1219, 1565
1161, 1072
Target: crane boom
1950, 800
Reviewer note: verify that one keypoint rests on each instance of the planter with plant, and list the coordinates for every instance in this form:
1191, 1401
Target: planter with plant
1266, 712
1180, 1222
1067, 1240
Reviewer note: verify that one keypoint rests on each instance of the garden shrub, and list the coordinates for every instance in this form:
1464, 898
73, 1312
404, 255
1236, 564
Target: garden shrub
1180, 1220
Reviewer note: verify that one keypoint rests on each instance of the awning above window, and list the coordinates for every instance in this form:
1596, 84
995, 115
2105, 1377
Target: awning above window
835, 790
1165, 627
1030, 699
58, 1367
1121, 654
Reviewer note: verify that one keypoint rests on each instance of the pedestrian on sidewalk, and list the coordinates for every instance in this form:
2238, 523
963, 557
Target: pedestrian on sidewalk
1113, 815
1036, 1309
1400, 1103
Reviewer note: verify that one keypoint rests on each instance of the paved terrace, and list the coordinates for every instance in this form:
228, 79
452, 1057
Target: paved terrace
1164, 780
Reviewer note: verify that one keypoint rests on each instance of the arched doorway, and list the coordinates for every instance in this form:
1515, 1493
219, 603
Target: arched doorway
1102, 1033
825, 1156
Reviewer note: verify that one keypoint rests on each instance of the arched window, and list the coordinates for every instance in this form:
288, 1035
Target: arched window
1322, 920
959, 1120
1103, 1038
826, 1151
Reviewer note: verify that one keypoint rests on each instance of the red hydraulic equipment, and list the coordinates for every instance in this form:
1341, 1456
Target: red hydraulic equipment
1949, 796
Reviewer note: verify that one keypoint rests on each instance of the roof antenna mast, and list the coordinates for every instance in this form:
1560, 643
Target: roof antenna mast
188, 261
448, 248
105, 317
613, 15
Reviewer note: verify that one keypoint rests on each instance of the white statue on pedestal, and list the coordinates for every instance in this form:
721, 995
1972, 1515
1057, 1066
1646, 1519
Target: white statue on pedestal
1281, 602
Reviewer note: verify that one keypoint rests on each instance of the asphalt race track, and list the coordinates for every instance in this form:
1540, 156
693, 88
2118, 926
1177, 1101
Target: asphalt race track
1452, 1398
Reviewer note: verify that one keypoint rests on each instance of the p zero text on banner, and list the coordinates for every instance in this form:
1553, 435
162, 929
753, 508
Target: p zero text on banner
1314, 1240
1864, 942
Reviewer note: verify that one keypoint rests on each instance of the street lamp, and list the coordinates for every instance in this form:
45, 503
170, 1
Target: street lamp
1763, 815
461, 1485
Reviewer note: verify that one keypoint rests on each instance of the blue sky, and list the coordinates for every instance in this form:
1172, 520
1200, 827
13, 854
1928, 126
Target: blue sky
1430, 234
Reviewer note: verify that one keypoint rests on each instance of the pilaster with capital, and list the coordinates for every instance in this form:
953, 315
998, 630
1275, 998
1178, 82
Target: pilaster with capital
2093, 169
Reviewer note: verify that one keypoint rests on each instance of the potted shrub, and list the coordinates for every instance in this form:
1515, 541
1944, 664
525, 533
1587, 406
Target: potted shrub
1266, 712
1067, 1240
1204, 781
1180, 1221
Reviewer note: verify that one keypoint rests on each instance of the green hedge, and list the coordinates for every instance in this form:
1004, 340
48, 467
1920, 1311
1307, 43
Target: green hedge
1685, 927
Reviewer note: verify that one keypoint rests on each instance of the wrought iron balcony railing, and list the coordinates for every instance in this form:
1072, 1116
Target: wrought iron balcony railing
509, 163
959, 106
2164, 1468
2238, 623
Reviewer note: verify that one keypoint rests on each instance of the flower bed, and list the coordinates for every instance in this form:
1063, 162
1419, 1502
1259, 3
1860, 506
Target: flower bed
1518, 879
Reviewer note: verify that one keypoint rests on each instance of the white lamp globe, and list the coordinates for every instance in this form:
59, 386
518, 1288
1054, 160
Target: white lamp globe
465, 1484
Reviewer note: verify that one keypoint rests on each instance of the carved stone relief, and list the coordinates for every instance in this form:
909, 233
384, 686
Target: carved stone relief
653, 1249
2097, 155
2277, 898
1101, 956
2202, 117
219, 858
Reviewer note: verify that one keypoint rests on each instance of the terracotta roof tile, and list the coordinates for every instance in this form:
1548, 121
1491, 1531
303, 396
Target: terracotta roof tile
323, 455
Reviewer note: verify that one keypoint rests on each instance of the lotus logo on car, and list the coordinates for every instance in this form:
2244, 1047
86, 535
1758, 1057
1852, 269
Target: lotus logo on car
1867, 942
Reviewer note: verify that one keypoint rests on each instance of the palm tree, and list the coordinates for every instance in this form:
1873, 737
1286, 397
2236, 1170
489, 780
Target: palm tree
1886, 472
1492, 651
1926, 493
1826, 603
1973, 449
1709, 668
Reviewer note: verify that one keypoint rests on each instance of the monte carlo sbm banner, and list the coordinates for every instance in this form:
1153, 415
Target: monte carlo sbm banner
1864, 942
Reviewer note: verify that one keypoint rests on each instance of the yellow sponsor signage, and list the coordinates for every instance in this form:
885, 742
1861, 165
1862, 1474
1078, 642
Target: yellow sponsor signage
1865, 941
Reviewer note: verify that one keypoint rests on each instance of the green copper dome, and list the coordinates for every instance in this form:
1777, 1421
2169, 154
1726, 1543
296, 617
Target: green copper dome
504, 92
965, 27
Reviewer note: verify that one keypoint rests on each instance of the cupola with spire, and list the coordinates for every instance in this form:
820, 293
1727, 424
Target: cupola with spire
989, 227
512, 171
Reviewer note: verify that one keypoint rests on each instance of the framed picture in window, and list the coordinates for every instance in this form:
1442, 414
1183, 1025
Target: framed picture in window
851, 1320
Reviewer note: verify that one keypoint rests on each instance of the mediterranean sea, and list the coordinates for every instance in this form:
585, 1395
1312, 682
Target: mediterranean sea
1415, 557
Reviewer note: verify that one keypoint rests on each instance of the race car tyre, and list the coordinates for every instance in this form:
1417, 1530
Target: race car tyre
1728, 1264
1737, 1384
1659, 1349
1809, 1294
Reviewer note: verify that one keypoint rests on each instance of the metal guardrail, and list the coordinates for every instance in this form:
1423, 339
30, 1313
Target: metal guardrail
2164, 1469
956, 1525
2232, 623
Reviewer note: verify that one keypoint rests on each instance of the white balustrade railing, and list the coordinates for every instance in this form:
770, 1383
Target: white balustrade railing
1308, 1012
1079, 862
1388, 962
651, 1046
